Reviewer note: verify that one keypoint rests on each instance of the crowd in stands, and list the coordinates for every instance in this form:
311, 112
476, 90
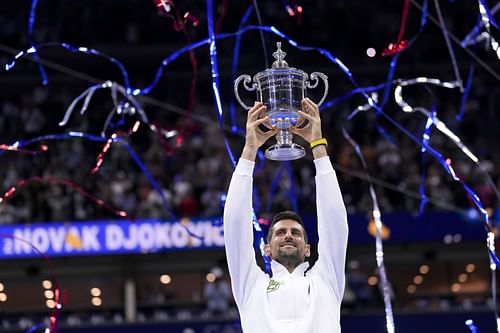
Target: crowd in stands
193, 168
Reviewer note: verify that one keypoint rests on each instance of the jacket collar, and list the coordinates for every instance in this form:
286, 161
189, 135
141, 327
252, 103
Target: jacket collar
279, 270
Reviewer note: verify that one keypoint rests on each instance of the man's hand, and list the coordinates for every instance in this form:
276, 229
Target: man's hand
310, 112
312, 131
255, 137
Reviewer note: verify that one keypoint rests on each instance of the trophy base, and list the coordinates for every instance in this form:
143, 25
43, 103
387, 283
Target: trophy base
285, 152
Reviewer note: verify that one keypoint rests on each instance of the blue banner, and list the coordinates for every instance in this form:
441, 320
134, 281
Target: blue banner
109, 237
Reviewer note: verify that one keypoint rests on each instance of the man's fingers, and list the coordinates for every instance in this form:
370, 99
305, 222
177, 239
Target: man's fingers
310, 106
270, 133
256, 110
264, 120
305, 115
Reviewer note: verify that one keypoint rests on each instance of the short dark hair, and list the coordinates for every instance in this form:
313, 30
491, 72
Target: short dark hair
285, 215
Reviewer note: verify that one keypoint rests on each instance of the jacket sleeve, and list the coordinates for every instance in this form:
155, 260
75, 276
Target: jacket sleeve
332, 226
238, 232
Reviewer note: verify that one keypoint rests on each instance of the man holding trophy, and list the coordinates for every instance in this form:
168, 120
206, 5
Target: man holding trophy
295, 298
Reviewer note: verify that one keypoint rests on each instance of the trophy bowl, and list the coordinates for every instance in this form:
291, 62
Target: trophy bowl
281, 89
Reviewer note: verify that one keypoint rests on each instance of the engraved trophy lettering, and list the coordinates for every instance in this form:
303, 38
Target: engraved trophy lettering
281, 89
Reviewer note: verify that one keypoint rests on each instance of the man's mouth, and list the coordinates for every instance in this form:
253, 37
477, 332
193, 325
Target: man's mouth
288, 245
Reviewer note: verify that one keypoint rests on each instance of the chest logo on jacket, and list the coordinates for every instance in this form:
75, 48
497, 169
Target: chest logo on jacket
273, 285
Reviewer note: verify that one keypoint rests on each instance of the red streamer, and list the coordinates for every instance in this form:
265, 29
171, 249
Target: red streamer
42, 148
23, 182
222, 16
58, 305
107, 145
167, 8
401, 43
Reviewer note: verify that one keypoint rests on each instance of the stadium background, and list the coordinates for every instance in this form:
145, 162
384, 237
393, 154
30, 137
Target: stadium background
436, 260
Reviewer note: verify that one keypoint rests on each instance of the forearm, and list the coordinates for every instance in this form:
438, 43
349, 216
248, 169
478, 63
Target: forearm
238, 233
249, 153
332, 224
319, 152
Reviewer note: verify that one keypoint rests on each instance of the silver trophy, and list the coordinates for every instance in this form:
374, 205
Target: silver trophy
281, 89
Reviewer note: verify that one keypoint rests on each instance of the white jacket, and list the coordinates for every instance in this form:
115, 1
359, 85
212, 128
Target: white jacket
296, 302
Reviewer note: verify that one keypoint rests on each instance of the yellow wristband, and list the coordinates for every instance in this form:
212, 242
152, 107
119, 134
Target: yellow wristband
319, 142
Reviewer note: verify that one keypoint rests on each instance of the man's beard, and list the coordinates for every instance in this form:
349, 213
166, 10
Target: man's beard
289, 258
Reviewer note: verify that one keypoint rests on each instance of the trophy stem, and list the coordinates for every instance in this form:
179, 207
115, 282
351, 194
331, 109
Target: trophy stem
284, 136
285, 149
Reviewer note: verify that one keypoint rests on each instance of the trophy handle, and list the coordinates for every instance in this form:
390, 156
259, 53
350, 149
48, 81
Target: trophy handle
314, 77
246, 80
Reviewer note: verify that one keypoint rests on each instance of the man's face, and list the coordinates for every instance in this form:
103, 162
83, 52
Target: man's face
287, 244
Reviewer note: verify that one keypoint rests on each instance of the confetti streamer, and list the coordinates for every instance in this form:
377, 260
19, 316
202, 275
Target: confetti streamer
222, 16
90, 137
470, 324
168, 9
449, 169
343, 69
291, 193
262, 39
377, 217
234, 67
425, 138
294, 10
216, 92
394, 61
50, 180
4, 147
441, 126
448, 45
486, 15
401, 44
56, 312
31, 25
129, 106
488, 20
473, 34
465, 95
72, 49
274, 185
215, 75
132, 153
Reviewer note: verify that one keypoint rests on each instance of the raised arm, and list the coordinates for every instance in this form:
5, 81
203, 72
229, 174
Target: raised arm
332, 216
238, 233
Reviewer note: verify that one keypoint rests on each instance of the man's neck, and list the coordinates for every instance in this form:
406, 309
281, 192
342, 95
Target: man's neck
290, 265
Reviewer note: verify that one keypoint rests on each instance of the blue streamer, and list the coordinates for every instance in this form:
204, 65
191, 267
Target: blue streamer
291, 194
216, 92
471, 326
465, 95
31, 24
274, 184
392, 69
378, 223
36, 327
488, 12
472, 35
213, 60
334, 60
425, 138
95, 138
73, 49
234, 67
324, 53
333, 102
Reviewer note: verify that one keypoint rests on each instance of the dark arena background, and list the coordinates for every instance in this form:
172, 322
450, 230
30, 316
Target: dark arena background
119, 127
